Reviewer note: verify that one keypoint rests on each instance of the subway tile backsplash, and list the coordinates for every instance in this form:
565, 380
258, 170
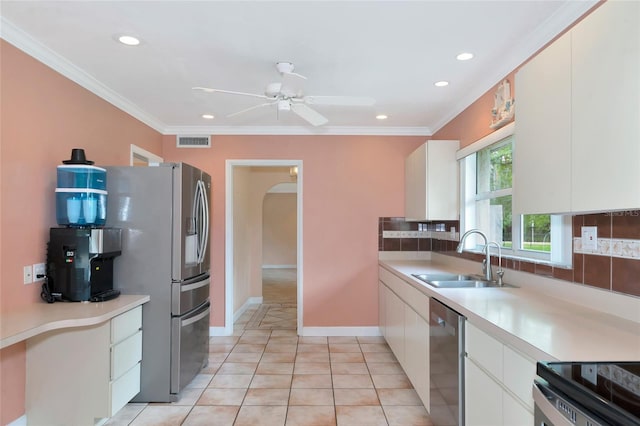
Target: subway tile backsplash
614, 266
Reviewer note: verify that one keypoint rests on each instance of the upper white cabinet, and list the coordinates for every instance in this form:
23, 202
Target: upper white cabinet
542, 152
605, 108
577, 131
431, 182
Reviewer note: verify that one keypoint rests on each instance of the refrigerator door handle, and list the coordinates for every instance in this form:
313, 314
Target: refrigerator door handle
203, 212
191, 320
194, 286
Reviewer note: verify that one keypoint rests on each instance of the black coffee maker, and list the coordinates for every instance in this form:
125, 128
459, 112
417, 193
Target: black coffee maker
80, 263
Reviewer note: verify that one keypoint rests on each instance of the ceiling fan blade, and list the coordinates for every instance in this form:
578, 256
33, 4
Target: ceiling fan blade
308, 114
233, 114
210, 90
339, 100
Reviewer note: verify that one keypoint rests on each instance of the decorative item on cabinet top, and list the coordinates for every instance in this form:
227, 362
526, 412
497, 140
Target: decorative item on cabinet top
503, 109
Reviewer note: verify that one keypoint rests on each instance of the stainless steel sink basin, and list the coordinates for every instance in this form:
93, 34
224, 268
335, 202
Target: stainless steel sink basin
443, 277
457, 281
464, 284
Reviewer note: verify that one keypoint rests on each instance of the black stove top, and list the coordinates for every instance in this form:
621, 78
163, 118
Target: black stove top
610, 390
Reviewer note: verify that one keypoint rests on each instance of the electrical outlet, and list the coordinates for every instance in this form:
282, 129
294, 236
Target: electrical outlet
28, 274
590, 238
589, 372
38, 272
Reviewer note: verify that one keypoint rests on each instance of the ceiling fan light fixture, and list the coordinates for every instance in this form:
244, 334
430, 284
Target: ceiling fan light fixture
129, 40
284, 105
441, 83
464, 56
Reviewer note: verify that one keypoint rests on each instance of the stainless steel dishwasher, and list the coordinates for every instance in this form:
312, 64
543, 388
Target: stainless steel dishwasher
446, 365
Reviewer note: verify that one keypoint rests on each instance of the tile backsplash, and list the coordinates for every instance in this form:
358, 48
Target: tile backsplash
613, 266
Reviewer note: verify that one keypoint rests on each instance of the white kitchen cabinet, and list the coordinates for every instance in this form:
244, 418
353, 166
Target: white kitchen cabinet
416, 334
405, 312
431, 182
483, 397
577, 128
382, 310
542, 149
395, 324
606, 108
80, 374
498, 381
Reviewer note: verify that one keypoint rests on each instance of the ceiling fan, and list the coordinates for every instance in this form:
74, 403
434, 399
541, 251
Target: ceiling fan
286, 98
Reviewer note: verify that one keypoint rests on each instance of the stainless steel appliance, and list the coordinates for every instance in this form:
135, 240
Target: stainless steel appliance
164, 214
80, 264
587, 394
446, 364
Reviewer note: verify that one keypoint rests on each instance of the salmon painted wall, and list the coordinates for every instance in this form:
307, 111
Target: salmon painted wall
348, 183
473, 123
44, 115
279, 231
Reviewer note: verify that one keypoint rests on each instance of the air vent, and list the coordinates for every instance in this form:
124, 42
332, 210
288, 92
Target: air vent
193, 141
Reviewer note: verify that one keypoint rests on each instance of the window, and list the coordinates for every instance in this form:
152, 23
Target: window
486, 177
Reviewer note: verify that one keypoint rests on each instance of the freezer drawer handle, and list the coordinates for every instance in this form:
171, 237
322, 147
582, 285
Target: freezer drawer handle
196, 318
199, 284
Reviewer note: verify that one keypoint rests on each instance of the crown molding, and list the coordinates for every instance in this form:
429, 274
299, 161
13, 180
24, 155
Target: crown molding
565, 16
297, 130
23, 41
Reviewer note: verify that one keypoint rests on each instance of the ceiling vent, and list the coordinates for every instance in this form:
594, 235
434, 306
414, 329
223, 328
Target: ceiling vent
193, 141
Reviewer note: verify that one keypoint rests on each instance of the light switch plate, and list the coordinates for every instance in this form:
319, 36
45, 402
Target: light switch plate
590, 238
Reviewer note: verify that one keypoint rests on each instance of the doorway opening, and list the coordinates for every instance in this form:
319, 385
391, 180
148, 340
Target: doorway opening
263, 256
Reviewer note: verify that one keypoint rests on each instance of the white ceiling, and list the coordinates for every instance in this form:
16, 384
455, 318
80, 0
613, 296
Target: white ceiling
392, 51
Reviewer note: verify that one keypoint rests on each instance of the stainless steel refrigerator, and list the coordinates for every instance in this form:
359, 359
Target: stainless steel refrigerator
164, 215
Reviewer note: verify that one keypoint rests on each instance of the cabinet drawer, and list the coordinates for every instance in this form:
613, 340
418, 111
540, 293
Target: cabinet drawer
124, 389
418, 301
126, 354
484, 350
124, 325
519, 373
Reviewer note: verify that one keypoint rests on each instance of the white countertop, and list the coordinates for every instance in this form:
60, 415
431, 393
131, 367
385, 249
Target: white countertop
42, 317
543, 327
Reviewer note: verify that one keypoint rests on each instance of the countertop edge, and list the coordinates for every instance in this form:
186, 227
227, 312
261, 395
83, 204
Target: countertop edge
566, 351
103, 315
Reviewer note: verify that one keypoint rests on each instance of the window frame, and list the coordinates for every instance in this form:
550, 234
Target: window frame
561, 225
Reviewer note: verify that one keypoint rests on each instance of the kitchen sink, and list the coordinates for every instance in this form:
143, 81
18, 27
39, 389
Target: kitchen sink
443, 277
457, 281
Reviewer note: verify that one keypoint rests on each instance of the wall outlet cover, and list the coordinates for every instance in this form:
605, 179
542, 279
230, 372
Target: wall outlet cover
590, 238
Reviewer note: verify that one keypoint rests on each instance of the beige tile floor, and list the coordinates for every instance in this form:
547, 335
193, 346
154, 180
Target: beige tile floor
266, 375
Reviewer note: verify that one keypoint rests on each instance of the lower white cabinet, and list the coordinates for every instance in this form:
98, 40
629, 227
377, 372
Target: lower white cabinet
403, 313
80, 374
498, 381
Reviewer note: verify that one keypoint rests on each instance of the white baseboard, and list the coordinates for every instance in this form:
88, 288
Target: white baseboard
20, 421
217, 331
294, 266
250, 301
340, 331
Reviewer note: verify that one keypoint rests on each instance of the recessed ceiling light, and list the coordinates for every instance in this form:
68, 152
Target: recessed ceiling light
129, 40
464, 56
381, 117
208, 116
441, 83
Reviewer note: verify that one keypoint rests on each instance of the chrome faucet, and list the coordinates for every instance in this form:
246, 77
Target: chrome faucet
500, 271
486, 264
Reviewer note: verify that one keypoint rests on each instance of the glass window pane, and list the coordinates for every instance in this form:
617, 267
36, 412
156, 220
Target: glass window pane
493, 216
494, 168
536, 232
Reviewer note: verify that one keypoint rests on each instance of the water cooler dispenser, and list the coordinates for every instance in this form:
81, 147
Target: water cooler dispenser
81, 250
